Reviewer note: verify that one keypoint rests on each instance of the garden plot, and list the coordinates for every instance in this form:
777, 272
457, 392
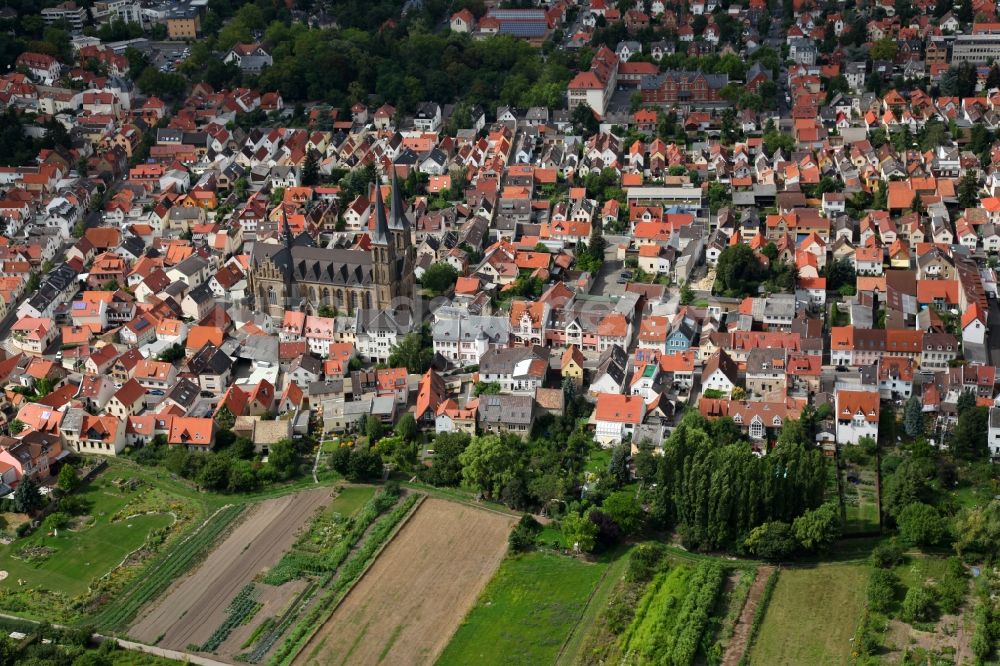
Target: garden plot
190, 615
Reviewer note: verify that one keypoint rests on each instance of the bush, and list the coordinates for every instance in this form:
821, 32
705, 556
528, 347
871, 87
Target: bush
952, 587
645, 562
523, 535
887, 554
881, 590
918, 606
772, 541
921, 525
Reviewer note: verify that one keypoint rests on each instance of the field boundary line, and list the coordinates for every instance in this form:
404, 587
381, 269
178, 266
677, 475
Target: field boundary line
305, 640
583, 611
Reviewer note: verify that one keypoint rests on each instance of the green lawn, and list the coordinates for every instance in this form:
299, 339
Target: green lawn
812, 616
526, 612
598, 460
76, 558
921, 569
79, 556
349, 500
860, 502
598, 602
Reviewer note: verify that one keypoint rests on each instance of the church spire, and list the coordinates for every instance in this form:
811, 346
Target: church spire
381, 236
398, 219
286, 230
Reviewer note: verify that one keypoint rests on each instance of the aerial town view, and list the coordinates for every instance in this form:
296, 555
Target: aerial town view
499, 332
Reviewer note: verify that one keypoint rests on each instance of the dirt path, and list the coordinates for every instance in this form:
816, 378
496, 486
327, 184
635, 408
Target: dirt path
741, 630
195, 606
409, 603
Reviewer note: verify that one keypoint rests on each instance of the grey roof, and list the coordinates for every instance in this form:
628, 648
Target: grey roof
191, 265
492, 329
210, 360
504, 361
184, 393
763, 360
506, 409
613, 362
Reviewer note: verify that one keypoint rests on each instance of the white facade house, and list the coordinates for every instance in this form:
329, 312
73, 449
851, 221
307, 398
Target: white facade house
993, 436
857, 415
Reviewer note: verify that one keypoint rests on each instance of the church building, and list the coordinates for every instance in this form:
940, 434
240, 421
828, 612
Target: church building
294, 274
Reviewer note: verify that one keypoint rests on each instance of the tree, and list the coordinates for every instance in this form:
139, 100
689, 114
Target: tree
414, 352
580, 531
772, 541
439, 277
224, 418
69, 479
27, 497
968, 440
738, 271
522, 537
340, 459
966, 400
918, 605
968, 186
172, 354
618, 471
818, 528
977, 531
407, 428
310, 169
913, 417
447, 470
584, 121
365, 465
214, 473
374, 430
16, 426
623, 508
283, 458
921, 525
686, 294
489, 463
887, 554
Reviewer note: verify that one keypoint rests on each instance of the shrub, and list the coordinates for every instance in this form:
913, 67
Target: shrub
952, 587
921, 524
887, 554
881, 590
645, 562
918, 606
523, 535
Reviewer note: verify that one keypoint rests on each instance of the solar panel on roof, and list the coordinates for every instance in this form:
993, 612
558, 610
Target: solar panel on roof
79, 305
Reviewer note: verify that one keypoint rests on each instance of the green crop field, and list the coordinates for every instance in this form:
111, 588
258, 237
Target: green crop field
793, 632
349, 500
526, 612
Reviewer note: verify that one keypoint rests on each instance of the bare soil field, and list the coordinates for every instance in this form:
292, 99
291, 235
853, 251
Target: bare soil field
408, 604
194, 607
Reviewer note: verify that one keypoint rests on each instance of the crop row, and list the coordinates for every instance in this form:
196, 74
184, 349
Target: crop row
167, 567
296, 564
346, 577
703, 591
240, 610
380, 502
